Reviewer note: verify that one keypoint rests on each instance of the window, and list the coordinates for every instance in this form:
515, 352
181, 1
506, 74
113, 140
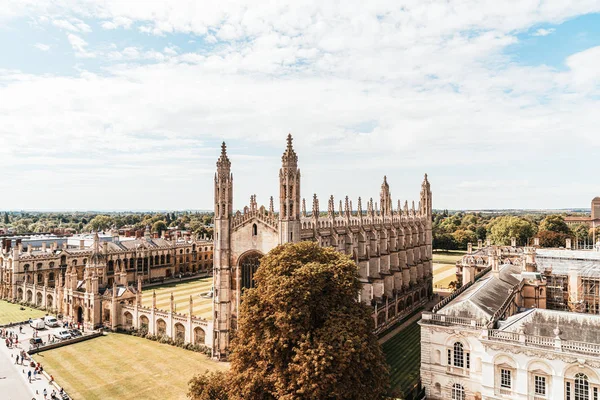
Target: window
458, 392
595, 393
459, 360
539, 385
582, 387
568, 391
254, 230
505, 379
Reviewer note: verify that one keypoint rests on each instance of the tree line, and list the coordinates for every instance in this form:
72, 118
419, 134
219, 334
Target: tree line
80, 222
455, 231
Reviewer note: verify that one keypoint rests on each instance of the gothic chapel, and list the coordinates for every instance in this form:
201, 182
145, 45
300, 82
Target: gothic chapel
391, 247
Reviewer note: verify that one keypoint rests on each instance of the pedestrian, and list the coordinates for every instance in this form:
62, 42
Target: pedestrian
29, 375
45, 393
17, 359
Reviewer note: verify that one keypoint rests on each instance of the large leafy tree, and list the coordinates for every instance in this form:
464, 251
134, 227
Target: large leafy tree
555, 223
302, 333
502, 229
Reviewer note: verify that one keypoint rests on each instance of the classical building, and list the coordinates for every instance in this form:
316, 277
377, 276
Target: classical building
498, 336
89, 283
391, 246
592, 221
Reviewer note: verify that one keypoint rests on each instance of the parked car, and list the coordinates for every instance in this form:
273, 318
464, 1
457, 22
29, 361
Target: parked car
62, 335
75, 333
36, 341
37, 324
50, 321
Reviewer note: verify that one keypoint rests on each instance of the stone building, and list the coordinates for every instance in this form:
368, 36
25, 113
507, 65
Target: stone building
592, 221
86, 283
494, 338
391, 245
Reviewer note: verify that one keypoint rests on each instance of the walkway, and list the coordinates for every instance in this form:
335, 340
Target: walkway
14, 384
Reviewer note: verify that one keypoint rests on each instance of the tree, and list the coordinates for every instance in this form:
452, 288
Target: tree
464, 236
159, 226
552, 239
302, 334
100, 223
209, 386
502, 229
6, 218
581, 232
555, 223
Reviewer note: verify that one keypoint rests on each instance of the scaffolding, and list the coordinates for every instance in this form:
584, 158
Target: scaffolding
557, 289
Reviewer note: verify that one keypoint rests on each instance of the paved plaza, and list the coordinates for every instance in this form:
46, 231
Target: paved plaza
14, 383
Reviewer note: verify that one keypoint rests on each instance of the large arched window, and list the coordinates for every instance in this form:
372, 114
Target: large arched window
459, 355
582, 387
458, 392
248, 265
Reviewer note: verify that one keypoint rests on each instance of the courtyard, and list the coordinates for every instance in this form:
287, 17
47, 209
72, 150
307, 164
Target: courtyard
403, 354
120, 366
444, 267
11, 313
181, 294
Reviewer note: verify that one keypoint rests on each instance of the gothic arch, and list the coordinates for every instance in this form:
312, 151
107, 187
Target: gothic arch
161, 327
199, 336
179, 332
248, 264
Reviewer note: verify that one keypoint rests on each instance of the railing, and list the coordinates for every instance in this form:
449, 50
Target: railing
567, 346
446, 320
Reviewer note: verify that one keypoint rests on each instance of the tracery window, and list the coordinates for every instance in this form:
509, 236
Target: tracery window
582, 387
458, 392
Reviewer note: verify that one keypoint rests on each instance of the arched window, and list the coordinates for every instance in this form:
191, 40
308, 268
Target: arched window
582, 387
458, 392
458, 357
254, 230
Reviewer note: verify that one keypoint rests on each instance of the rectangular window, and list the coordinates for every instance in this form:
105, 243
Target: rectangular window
595, 393
568, 391
505, 379
468, 360
449, 357
540, 385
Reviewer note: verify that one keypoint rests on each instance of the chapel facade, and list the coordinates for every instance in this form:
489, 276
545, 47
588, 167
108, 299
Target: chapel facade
391, 246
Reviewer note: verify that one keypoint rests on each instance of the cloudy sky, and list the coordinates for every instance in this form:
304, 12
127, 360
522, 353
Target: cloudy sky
115, 104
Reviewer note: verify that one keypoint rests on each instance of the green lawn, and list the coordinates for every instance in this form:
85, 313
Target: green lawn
403, 354
120, 366
447, 257
181, 296
12, 313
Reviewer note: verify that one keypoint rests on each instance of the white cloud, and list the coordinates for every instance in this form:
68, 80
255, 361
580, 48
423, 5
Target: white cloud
72, 26
430, 80
42, 46
543, 32
80, 46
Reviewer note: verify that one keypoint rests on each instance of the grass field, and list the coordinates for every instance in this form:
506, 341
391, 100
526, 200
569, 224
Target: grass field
181, 293
11, 313
403, 354
447, 257
125, 367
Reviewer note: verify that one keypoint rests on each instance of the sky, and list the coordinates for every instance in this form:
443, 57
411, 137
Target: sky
122, 105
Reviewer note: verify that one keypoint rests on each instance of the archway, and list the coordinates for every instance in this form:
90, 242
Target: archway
248, 264
38, 299
19, 294
144, 323
128, 320
49, 301
29, 296
199, 336
168, 273
161, 327
80, 315
179, 332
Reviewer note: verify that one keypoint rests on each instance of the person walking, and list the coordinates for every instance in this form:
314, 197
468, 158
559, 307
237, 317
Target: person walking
29, 375
45, 393
16, 362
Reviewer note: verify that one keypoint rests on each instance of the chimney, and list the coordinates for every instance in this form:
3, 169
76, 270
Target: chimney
513, 241
568, 244
488, 242
469, 248
479, 244
81, 244
536, 241
44, 247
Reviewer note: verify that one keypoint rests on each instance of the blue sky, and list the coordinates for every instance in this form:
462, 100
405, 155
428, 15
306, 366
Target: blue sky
123, 105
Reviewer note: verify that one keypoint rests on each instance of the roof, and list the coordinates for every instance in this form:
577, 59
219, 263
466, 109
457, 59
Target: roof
573, 326
587, 263
486, 296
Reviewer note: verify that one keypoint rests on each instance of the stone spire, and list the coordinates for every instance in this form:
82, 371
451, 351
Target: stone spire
370, 207
406, 207
347, 207
385, 198
289, 157
340, 209
315, 207
426, 207
303, 207
223, 163
359, 207
330, 208
271, 210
